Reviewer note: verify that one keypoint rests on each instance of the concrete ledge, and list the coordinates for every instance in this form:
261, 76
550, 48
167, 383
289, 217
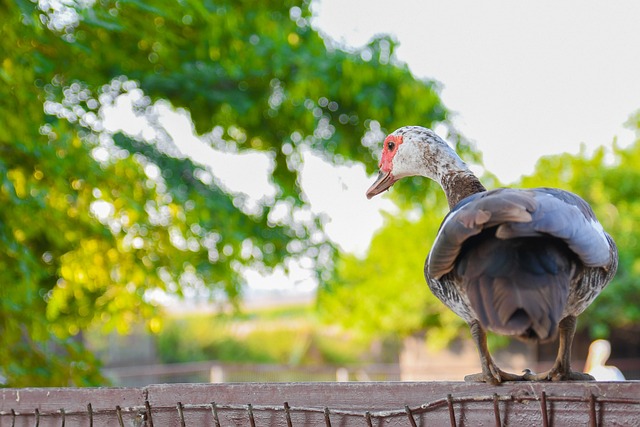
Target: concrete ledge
337, 404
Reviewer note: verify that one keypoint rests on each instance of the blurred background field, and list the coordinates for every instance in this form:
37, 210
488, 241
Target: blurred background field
279, 344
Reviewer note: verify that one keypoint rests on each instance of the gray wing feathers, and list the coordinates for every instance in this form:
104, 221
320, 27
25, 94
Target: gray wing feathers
582, 233
521, 213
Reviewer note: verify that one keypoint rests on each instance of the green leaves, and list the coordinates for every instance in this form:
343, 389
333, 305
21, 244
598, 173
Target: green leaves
94, 223
610, 182
385, 294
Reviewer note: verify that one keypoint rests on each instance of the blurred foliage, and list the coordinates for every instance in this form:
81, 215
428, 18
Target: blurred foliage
385, 293
93, 223
294, 337
609, 179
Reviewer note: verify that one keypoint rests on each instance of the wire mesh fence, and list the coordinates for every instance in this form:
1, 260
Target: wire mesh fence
327, 404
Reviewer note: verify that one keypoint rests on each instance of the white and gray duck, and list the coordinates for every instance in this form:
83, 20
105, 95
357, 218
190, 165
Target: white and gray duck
517, 262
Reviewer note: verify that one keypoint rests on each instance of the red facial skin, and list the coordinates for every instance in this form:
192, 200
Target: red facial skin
389, 149
385, 178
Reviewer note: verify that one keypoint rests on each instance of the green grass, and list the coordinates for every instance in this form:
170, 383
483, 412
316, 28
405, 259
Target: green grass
288, 335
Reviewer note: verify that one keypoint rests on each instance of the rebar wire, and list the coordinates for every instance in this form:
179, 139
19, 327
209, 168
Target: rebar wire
367, 418
543, 409
147, 407
90, 412
181, 415
592, 411
287, 414
496, 410
119, 415
327, 418
452, 412
252, 421
410, 412
214, 411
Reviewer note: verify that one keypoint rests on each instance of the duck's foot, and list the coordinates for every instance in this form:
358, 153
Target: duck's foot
490, 374
561, 370
555, 374
494, 376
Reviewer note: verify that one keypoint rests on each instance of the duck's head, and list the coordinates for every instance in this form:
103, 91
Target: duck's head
410, 151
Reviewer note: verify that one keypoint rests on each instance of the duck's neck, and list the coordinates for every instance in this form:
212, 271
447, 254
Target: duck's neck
460, 184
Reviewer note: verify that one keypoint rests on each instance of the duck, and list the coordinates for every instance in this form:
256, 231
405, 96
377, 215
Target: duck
523, 263
595, 365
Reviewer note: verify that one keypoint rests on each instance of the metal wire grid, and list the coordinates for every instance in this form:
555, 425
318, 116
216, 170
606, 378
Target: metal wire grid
144, 414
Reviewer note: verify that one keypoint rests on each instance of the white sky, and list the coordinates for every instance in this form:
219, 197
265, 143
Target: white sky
525, 78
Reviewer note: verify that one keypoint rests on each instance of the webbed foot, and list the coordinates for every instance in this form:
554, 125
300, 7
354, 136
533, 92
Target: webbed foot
493, 375
556, 374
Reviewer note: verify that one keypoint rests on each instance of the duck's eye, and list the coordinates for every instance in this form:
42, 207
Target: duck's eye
391, 145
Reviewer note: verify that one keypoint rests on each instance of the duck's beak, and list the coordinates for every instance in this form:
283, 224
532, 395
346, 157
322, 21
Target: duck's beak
383, 182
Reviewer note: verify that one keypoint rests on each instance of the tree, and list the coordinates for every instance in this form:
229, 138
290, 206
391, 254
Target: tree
93, 223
